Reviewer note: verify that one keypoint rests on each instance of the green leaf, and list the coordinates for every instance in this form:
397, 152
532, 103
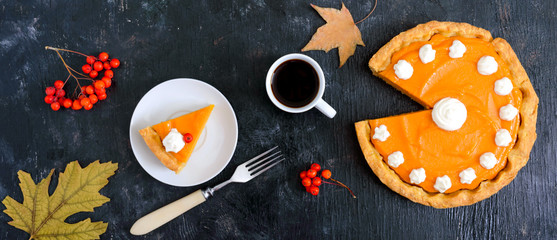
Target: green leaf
43, 216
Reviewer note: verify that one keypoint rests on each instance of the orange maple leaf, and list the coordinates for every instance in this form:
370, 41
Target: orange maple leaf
340, 32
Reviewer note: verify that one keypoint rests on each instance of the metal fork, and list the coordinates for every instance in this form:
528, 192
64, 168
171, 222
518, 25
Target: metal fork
245, 172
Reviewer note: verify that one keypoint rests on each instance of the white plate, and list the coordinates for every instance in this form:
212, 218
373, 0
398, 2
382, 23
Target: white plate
217, 142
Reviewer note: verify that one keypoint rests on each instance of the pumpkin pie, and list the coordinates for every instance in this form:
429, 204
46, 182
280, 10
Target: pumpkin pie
189, 125
479, 124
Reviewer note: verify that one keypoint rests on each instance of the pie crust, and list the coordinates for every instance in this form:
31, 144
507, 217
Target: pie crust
192, 123
517, 157
153, 140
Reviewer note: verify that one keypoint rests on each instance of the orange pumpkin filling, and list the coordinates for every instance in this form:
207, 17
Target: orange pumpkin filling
192, 123
422, 142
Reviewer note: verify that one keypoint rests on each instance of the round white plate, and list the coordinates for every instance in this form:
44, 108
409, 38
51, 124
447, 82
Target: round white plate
216, 144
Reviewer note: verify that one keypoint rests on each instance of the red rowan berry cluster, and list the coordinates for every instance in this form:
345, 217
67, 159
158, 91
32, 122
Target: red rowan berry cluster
84, 96
311, 181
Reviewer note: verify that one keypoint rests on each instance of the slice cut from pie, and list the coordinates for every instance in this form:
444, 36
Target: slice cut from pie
480, 119
192, 123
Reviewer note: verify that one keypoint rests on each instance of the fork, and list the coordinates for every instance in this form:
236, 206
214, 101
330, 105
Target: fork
245, 172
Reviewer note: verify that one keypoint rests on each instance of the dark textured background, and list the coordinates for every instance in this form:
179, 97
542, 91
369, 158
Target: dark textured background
230, 45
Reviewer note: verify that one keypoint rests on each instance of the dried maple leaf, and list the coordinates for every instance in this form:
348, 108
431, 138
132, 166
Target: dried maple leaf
340, 32
43, 215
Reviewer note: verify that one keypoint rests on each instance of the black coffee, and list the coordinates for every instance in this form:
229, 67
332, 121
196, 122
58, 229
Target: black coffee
295, 83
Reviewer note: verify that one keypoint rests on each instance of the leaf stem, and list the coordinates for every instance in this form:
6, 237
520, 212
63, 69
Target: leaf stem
369, 14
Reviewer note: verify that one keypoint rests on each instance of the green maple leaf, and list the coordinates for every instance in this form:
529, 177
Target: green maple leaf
43, 215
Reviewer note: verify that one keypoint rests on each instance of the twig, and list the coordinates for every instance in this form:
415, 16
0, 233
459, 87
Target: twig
342, 184
70, 70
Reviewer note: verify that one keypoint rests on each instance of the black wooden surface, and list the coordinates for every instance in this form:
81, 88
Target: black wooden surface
230, 45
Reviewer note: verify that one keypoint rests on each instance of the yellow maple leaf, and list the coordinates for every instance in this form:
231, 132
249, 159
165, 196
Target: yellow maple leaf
340, 32
43, 215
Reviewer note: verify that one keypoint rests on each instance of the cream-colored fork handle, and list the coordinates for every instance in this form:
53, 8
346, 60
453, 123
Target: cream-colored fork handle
165, 214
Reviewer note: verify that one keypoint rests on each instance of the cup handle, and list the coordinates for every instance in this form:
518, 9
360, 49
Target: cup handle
325, 108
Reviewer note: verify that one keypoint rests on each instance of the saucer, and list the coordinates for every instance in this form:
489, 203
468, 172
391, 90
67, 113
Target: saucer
216, 144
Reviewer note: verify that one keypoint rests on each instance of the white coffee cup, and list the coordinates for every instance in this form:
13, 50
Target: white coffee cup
317, 102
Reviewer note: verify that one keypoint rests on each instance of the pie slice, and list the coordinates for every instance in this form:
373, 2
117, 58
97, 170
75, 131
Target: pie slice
192, 123
480, 119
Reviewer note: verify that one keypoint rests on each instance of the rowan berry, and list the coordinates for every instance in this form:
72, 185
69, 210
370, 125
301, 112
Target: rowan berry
85, 101
90, 60
89, 89
114, 63
93, 74
58, 84
49, 99
86, 68
106, 65
315, 167
314, 190
60, 93
311, 173
67, 103
50, 91
326, 174
316, 181
109, 73
103, 56
101, 96
99, 84
188, 137
93, 98
98, 66
76, 105
306, 182
88, 107
55, 106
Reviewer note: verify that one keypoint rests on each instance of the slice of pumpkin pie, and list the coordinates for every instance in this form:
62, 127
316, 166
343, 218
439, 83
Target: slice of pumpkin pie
173, 141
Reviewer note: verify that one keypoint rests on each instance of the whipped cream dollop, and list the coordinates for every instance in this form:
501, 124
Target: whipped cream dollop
426, 53
449, 114
457, 50
417, 176
467, 176
488, 160
442, 184
503, 86
174, 141
508, 112
503, 138
487, 65
381, 133
403, 69
395, 159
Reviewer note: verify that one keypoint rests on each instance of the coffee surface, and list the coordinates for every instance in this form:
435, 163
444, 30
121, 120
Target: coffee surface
295, 83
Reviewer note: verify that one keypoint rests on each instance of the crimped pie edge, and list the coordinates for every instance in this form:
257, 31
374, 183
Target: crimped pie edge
153, 141
518, 156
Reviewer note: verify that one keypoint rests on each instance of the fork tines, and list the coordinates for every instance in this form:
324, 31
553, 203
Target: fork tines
264, 161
